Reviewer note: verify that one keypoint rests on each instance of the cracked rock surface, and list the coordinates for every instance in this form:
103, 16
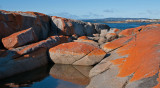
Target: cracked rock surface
132, 62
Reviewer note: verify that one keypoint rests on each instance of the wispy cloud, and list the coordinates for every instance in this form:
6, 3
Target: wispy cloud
153, 12
109, 11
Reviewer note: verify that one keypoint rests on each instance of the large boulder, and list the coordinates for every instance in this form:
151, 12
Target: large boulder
133, 62
20, 38
76, 53
14, 21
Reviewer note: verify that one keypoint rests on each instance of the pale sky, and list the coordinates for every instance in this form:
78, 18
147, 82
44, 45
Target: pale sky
87, 9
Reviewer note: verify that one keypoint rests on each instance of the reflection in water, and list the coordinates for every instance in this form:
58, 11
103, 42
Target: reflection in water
25, 79
75, 74
62, 76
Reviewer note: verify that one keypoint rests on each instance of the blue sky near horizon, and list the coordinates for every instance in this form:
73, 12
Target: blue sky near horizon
87, 9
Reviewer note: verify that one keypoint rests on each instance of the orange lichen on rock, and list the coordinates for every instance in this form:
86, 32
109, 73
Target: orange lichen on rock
48, 43
117, 43
83, 38
143, 55
66, 26
20, 38
79, 48
97, 52
116, 30
132, 31
76, 53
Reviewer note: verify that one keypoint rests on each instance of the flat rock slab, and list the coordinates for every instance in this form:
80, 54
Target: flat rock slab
76, 53
20, 38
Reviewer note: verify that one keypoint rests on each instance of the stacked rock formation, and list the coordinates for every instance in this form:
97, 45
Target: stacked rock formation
23, 34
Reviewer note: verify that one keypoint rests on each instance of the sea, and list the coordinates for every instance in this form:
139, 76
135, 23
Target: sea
57, 76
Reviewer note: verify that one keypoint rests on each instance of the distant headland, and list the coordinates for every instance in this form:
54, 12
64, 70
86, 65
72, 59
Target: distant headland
123, 20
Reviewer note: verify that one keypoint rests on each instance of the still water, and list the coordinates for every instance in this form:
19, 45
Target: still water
57, 76
125, 25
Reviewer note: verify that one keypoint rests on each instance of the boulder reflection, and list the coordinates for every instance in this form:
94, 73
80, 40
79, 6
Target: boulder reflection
75, 74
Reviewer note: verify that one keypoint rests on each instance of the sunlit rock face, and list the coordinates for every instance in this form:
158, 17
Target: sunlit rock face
20, 38
75, 74
15, 21
80, 28
133, 62
76, 53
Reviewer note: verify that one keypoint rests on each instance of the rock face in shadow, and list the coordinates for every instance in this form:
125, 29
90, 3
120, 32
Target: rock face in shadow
24, 63
133, 62
25, 79
75, 74
76, 53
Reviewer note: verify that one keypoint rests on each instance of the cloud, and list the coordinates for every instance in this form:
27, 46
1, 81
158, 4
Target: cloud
153, 12
149, 12
91, 15
109, 11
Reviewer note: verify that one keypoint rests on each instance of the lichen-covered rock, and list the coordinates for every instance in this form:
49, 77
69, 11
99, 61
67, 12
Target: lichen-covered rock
114, 30
111, 36
132, 63
14, 21
88, 42
102, 40
76, 53
132, 31
48, 43
83, 38
80, 28
20, 38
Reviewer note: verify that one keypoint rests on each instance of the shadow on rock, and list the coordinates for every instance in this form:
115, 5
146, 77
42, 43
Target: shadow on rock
75, 74
25, 79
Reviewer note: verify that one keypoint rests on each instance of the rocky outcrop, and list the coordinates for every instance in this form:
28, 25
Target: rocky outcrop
48, 43
20, 38
132, 31
76, 53
132, 62
84, 39
80, 28
23, 34
15, 21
